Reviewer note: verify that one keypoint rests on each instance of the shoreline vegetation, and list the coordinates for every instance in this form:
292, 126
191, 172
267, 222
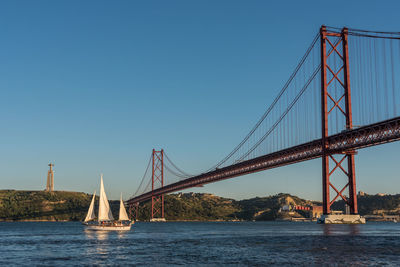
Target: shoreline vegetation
39, 206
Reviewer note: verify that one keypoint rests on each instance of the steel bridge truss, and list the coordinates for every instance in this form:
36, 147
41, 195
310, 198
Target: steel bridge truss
341, 143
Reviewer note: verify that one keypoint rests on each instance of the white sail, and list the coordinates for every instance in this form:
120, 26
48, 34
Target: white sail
90, 215
104, 208
123, 216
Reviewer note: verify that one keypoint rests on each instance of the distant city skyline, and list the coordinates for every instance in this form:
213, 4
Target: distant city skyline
94, 86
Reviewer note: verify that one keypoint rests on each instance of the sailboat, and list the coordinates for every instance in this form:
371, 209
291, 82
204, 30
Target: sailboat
105, 220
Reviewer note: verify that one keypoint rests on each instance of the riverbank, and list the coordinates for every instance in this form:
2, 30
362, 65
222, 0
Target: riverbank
189, 207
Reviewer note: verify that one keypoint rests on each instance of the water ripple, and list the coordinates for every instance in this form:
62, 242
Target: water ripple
195, 243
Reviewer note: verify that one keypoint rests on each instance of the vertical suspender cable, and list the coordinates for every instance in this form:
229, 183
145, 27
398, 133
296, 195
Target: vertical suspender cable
393, 78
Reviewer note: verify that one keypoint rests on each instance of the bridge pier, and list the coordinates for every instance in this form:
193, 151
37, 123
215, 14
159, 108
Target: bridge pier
134, 211
341, 78
341, 219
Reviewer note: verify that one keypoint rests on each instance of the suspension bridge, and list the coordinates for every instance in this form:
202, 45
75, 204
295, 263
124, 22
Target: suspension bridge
343, 96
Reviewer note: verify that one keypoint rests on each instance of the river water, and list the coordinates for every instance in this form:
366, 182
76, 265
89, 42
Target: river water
201, 243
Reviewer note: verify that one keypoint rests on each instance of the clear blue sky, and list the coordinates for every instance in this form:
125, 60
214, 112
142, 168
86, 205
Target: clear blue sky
95, 85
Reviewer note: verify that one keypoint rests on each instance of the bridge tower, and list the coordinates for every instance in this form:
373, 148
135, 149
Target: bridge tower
330, 76
157, 178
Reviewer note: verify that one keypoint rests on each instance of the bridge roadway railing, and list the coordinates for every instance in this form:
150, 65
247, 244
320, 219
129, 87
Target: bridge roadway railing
341, 143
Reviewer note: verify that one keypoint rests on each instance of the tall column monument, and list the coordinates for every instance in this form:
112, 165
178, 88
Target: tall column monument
50, 179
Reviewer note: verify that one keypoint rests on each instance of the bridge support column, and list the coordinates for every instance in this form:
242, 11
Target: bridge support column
134, 211
157, 178
333, 109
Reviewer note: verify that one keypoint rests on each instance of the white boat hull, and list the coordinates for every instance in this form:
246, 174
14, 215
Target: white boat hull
108, 228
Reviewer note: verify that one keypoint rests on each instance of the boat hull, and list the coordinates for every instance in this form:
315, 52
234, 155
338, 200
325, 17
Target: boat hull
108, 228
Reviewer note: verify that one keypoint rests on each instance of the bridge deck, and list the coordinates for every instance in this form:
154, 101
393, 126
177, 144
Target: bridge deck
346, 141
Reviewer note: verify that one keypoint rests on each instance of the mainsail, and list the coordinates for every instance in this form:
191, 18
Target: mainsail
104, 208
123, 216
90, 215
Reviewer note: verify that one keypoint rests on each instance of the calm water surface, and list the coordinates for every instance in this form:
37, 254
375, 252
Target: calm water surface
198, 243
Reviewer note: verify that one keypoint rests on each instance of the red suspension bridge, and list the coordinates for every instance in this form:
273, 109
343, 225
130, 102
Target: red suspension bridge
344, 95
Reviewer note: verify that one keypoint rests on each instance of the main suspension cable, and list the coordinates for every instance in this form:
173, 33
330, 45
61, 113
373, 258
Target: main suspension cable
303, 59
143, 178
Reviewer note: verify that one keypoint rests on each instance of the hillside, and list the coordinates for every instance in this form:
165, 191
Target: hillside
203, 207
72, 206
375, 204
39, 205
268, 208
194, 206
